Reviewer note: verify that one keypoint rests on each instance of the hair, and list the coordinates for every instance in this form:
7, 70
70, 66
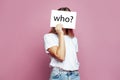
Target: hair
68, 32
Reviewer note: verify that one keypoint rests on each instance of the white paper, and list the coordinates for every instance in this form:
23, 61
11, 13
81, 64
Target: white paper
68, 19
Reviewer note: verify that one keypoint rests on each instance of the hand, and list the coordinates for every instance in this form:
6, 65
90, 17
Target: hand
58, 29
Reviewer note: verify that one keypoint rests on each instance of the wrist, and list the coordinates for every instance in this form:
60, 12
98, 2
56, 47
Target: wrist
61, 34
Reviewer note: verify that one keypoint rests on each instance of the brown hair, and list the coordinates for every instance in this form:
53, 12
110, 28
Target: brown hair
68, 32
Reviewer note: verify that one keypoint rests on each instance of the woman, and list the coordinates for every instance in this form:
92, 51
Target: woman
62, 47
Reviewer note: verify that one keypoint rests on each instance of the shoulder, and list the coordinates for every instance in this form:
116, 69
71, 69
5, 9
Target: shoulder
50, 35
75, 38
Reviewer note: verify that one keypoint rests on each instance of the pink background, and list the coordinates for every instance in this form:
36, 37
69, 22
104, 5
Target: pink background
24, 22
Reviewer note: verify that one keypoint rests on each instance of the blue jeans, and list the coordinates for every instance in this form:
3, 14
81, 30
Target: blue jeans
59, 74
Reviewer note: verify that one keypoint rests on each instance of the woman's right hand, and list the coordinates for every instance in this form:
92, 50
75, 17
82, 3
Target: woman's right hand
58, 29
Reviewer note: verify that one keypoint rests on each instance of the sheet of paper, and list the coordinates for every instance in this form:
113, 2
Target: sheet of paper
68, 19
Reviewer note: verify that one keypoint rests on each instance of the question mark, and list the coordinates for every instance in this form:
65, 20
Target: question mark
71, 18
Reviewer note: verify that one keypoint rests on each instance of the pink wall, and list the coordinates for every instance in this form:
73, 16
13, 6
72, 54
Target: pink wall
24, 22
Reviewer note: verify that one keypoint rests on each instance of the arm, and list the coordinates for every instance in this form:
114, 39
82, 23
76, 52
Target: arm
59, 51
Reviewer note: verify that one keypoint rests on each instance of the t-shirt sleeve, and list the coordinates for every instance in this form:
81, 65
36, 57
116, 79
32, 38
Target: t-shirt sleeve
49, 41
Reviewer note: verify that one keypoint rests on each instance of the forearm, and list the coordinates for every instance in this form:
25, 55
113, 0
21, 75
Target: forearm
61, 48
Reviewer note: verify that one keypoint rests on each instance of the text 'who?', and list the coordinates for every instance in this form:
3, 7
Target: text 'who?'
68, 19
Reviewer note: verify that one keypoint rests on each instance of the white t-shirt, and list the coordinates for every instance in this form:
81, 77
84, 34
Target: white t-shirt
71, 44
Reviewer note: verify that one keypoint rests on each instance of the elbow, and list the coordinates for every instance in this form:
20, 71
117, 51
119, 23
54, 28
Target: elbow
61, 59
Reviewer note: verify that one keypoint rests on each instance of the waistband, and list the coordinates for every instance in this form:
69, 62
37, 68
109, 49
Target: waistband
60, 69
